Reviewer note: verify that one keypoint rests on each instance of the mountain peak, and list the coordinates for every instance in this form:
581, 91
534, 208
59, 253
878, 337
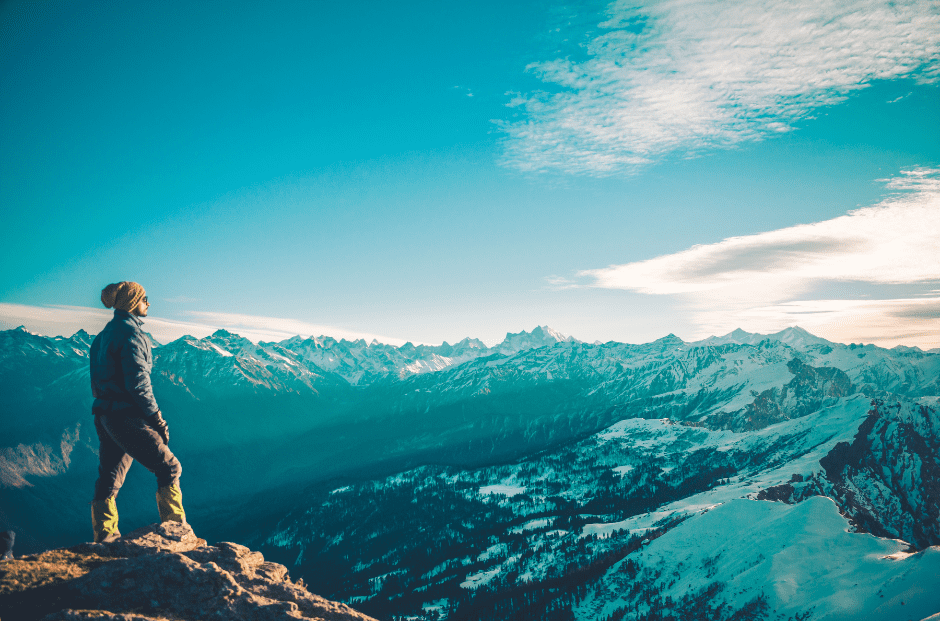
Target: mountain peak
82, 338
541, 336
550, 333
793, 336
669, 338
797, 336
232, 342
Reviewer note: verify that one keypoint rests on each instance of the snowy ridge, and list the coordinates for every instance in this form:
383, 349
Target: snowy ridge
886, 478
360, 363
794, 336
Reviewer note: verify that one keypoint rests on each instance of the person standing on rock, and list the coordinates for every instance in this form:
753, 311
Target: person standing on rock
127, 418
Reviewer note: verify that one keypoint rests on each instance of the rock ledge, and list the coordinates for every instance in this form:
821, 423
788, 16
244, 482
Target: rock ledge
159, 572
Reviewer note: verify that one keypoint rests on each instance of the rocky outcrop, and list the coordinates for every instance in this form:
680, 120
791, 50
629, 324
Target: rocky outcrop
162, 571
887, 481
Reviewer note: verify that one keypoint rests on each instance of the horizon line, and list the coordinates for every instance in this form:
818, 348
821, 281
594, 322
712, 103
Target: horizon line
376, 342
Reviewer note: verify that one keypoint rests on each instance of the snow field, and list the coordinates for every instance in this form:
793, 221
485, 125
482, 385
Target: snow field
800, 557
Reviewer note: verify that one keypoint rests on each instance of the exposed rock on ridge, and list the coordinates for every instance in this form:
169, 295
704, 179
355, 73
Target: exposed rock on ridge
887, 481
157, 572
811, 389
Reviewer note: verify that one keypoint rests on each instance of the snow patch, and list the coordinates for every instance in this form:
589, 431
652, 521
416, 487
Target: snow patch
479, 579
530, 525
505, 490
219, 350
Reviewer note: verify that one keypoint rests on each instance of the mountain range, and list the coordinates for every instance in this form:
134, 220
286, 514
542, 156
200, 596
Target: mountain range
542, 477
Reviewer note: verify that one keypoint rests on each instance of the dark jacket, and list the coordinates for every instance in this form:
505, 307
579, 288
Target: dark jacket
120, 368
6, 545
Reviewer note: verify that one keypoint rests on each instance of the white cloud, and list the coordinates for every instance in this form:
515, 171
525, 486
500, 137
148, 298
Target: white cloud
67, 320
896, 241
900, 321
756, 282
689, 75
560, 282
54, 320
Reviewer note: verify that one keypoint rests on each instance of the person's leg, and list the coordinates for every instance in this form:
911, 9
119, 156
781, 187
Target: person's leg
144, 444
170, 504
113, 463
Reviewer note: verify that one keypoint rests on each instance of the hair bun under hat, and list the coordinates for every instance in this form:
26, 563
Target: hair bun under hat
124, 295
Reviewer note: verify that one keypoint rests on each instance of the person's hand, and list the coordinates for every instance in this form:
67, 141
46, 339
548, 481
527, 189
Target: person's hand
159, 425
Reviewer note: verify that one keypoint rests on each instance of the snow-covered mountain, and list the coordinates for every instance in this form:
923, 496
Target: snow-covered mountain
562, 469
648, 517
532, 391
361, 364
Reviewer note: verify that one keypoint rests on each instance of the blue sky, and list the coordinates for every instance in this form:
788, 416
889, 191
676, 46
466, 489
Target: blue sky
429, 171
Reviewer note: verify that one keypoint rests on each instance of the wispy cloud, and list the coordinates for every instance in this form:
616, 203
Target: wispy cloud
689, 75
756, 281
560, 282
896, 241
67, 320
54, 320
890, 322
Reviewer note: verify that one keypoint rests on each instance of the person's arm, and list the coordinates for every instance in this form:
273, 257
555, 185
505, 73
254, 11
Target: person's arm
137, 374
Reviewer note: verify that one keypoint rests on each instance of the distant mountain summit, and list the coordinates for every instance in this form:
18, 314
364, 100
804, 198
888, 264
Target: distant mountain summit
794, 336
362, 363
539, 337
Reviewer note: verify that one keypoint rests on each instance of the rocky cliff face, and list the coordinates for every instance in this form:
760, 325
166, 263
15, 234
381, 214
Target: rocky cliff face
887, 479
162, 571
810, 390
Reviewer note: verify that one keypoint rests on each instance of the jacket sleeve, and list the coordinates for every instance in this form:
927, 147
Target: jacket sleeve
136, 368
92, 360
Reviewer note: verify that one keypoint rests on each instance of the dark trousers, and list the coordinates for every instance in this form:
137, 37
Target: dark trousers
124, 438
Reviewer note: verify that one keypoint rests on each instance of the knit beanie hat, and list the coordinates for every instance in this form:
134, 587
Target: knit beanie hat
122, 295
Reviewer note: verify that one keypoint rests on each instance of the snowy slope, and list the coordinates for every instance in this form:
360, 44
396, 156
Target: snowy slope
799, 557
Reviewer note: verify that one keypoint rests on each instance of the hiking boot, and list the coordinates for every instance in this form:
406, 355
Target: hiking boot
170, 504
104, 520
